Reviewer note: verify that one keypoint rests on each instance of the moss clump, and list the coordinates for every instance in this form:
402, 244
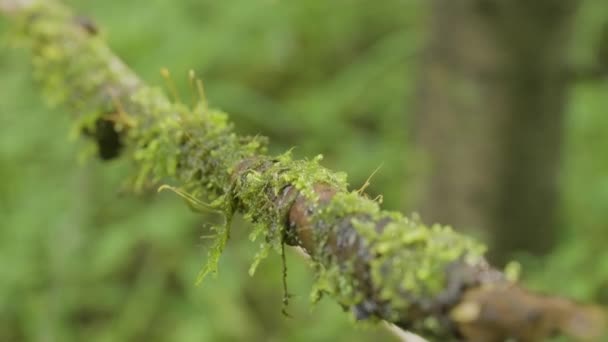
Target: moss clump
263, 191
366, 254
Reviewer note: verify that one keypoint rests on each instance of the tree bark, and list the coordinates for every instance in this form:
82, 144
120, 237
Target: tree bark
488, 119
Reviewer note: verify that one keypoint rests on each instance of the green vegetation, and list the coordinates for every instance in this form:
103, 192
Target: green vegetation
198, 148
107, 268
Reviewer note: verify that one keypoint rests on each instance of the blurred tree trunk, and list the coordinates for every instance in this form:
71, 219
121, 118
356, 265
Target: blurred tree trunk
489, 117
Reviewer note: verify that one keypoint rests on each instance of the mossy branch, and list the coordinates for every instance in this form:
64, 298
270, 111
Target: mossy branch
379, 264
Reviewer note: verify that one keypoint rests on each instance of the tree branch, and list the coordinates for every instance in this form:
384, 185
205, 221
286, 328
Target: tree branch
376, 263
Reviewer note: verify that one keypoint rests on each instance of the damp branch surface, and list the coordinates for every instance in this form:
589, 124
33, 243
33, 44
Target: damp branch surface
377, 264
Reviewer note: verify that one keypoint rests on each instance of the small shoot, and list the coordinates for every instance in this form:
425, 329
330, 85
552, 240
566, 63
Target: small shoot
192, 83
198, 89
164, 72
194, 203
368, 181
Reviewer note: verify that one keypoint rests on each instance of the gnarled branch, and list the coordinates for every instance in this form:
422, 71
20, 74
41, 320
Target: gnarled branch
376, 263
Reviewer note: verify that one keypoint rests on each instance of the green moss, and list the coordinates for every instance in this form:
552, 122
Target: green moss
216, 250
196, 146
76, 75
262, 192
404, 255
361, 253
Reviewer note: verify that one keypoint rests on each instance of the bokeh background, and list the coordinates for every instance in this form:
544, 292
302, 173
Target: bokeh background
84, 259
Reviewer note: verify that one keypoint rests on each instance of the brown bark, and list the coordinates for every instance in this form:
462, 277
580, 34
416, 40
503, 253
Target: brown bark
488, 120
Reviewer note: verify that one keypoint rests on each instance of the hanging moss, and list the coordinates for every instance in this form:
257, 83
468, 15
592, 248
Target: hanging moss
379, 263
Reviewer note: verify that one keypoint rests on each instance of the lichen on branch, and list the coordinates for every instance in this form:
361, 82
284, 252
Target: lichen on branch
378, 264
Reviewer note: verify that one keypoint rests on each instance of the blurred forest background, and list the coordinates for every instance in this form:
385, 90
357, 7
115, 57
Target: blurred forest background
488, 115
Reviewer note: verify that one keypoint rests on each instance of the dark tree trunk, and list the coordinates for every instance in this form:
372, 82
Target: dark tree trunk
488, 120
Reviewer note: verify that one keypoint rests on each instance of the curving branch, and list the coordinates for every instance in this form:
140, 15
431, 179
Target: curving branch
378, 264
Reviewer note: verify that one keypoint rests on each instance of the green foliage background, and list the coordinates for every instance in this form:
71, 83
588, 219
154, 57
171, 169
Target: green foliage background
82, 258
